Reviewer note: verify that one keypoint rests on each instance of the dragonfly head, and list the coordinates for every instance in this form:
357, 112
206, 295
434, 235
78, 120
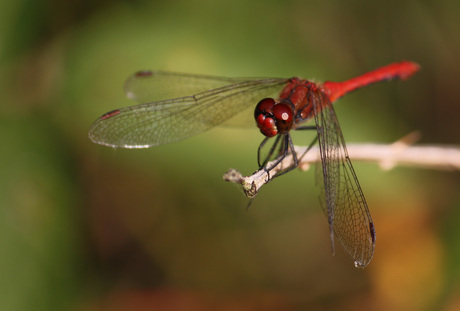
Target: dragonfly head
273, 118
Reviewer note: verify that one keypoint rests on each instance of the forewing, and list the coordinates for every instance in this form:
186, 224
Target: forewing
152, 86
343, 200
166, 121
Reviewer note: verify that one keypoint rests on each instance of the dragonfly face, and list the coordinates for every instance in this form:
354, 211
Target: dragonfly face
273, 118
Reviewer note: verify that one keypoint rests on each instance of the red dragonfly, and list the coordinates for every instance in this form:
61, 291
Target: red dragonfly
200, 102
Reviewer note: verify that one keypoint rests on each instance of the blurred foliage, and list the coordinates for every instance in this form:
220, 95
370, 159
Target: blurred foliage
84, 227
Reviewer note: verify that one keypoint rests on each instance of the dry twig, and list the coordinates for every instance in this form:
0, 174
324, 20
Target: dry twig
386, 155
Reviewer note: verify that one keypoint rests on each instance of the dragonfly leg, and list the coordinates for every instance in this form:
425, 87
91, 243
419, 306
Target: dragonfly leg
284, 146
309, 147
270, 153
287, 145
284, 141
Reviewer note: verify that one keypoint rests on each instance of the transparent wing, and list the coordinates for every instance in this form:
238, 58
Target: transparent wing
152, 86
170, 120
343, 200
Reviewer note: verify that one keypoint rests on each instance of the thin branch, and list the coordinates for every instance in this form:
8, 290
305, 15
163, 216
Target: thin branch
386, 155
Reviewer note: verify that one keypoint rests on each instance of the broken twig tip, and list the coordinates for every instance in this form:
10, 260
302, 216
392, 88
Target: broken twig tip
234, 176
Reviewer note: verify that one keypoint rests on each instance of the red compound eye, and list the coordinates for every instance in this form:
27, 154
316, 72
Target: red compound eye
284, 117
265, 106
264, 117
273, 118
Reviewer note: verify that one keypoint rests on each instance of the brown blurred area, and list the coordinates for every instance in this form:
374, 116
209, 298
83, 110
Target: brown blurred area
85, 227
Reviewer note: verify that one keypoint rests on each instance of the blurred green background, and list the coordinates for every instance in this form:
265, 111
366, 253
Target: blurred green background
86, 227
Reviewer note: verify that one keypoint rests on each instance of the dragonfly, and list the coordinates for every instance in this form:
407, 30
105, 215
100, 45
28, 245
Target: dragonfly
174, 106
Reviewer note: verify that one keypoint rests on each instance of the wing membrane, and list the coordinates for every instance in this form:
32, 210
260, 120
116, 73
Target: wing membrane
166, 121
152, 86
343, 200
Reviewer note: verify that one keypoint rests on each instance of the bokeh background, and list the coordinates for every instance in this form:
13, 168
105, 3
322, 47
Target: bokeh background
86, 227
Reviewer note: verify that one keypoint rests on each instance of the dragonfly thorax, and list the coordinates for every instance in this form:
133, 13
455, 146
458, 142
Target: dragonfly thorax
273, 118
